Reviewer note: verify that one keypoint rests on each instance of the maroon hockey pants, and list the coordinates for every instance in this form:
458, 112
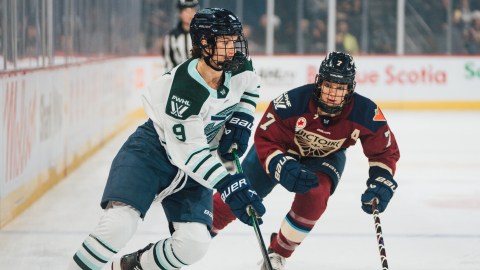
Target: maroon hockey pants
305, 211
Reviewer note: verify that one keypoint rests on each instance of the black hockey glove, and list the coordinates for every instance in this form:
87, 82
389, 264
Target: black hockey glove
295, 177
237, 132
381, 186
238, 194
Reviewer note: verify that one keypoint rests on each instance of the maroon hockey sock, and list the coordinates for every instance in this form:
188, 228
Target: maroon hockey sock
222, 215
280, 245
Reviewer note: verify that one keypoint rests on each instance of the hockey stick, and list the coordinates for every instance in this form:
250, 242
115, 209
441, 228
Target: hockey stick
378, 227
253, 216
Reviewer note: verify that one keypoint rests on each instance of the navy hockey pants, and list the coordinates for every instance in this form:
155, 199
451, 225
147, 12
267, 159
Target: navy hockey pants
141, 170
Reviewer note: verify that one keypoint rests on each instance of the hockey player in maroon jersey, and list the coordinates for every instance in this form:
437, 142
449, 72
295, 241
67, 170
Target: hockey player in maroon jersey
300, 143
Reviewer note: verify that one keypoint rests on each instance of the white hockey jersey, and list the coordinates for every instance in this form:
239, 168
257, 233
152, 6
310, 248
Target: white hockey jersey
189, 116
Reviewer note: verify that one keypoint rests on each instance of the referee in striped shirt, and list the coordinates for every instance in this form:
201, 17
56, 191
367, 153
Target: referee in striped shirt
177, 44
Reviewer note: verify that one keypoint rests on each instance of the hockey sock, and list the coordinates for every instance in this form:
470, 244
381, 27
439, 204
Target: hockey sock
93, 254
161, 256
188, 244
305, 212
116, 226
222, 215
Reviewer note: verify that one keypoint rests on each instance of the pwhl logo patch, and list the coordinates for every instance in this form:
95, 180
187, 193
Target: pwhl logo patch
282, 102
379, 115
179, 106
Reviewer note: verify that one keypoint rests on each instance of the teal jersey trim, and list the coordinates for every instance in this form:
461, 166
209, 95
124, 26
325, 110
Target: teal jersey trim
222, 92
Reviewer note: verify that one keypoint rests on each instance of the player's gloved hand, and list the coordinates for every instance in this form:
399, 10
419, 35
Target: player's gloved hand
381, 188
294, 176
237, 132
238, 194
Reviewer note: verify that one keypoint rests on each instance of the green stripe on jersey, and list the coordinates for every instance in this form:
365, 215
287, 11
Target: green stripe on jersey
218, 165
194, 153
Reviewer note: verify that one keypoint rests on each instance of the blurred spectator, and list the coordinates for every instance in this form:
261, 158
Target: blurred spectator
350, 11
438, 25
463, 6
472, 36
259, 33
253, 46
344, 40
458, 42
156, 23
32, 42
316, 8
177, 44
318, 41
286, 32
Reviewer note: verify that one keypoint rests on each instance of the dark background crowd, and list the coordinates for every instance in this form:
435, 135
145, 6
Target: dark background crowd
362, 26
37, 33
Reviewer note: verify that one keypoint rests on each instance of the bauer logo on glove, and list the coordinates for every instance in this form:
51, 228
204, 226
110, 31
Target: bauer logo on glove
386, 182
237, 132
232, 188
241, 122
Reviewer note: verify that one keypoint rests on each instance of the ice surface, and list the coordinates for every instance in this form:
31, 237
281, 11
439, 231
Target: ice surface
432, 222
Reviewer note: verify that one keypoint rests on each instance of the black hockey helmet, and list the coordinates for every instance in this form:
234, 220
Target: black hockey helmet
210, 23
181, 4
337, 67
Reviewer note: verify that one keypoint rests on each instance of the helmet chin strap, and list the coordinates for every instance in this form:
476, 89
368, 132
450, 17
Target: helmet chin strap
330, 110
207, 60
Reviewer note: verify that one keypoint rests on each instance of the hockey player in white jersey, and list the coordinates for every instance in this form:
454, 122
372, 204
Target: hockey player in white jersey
197, 112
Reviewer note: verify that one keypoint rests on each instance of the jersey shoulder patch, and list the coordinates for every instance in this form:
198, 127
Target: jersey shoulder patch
294, 102
187, 96
366, 113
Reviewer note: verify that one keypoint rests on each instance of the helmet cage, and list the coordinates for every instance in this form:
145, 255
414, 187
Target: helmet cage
340, 74
210, 24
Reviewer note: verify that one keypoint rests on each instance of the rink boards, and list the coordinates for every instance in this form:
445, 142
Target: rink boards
53, 119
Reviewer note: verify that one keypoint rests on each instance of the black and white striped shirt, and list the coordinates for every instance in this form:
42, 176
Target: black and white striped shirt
176, 47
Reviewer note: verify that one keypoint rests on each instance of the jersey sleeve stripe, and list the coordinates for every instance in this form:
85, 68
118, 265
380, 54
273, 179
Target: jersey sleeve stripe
219, 178
254, 104
246, 107
195, 153
251, 94
201, 162
215, 167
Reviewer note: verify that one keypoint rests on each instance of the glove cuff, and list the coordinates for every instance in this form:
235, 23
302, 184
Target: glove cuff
375, 171
244, 116
223, 183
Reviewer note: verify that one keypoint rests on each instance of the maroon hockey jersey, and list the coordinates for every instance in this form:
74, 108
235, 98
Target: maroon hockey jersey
291, 125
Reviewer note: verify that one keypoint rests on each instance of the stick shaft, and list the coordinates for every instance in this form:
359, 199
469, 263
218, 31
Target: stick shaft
378, 230
255, 224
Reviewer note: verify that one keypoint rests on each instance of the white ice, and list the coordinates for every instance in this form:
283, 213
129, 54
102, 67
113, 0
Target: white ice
432, 222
